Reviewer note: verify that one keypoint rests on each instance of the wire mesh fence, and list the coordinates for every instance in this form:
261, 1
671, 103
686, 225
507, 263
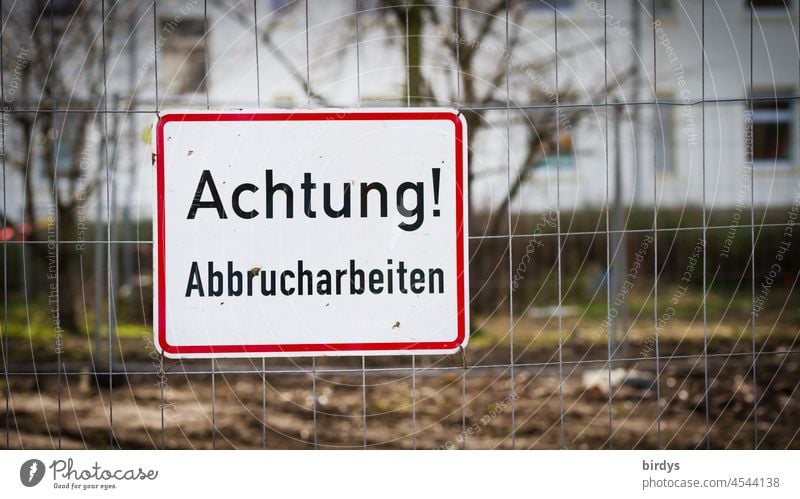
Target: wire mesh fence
633, 193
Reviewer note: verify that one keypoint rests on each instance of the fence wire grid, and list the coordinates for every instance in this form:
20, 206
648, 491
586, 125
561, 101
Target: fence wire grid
634, 188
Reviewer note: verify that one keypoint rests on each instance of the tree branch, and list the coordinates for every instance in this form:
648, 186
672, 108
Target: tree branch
275, 51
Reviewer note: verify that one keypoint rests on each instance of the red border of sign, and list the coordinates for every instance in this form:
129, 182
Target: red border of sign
310, 347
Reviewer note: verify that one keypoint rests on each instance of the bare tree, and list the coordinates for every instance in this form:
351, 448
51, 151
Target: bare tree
53, 61
484, 44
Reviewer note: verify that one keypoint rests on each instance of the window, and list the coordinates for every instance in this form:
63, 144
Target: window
62, 12
663, 140
182, 60
772, 132
768, 4
63, 8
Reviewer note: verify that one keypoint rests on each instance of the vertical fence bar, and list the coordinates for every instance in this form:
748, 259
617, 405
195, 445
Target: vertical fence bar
749, 162
109, 284
705, 220
113, 247
363, 358
358, 57
413, 357
7, 391
364, 397
263, 403
408, 60
161, 382
655, 228
213, 405
413, 402
313, 359
155, 53
457, 15
314, 399
161, 373
558, 237
358, 104
208, 106
53, 158
795, 100
512, 379
263, 359
608, 228
205, 52
308, 59
213, 362
258, 62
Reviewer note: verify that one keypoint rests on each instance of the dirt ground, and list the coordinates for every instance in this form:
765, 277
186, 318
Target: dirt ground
450, 407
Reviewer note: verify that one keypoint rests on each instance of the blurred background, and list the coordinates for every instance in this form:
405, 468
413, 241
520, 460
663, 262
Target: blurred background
634, 186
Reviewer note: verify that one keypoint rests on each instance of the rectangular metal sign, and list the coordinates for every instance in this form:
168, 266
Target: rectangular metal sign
335, 232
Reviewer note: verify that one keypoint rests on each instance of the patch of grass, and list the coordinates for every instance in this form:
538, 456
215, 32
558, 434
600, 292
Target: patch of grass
35, 320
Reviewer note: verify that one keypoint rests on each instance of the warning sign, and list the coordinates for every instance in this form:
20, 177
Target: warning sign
310, 233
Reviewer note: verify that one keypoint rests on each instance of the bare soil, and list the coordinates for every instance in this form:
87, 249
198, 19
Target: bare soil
449, 407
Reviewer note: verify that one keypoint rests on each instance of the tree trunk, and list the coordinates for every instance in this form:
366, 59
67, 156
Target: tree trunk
71, 306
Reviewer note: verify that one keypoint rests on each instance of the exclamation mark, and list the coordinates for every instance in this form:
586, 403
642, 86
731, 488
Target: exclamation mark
436, 172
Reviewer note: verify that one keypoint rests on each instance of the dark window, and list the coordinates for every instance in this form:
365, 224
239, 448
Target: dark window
62, 8
772, 131
182, 62
767, 4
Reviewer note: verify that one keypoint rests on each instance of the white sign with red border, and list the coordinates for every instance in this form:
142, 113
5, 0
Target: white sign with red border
332, 232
